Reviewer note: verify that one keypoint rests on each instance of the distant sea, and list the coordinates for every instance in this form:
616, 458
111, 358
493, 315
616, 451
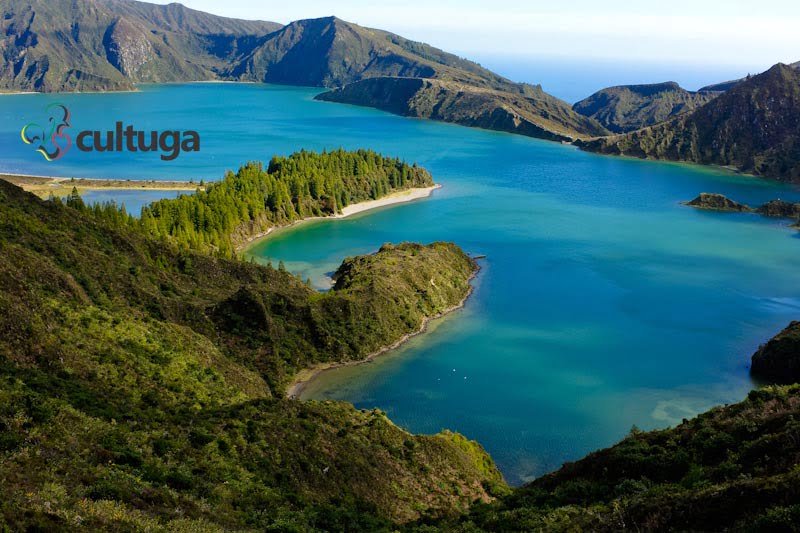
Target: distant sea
573, 80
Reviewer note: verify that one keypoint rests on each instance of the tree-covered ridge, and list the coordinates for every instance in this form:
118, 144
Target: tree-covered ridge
141, 385
254, 199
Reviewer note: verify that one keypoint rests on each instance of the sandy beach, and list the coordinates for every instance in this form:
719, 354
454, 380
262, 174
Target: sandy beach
399, 197
307, 375
45, 186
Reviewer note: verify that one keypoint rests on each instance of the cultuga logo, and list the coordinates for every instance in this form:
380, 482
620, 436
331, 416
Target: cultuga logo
51, 140
53, 143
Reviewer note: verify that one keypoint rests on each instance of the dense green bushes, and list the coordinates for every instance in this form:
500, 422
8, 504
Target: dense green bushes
141, 384
733, 468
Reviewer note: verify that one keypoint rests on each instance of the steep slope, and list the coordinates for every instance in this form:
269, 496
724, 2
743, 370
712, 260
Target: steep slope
632, 107
66, 45
778, 361
727, 85
541, 115
754, 127
137, 390
733, 468
330, 52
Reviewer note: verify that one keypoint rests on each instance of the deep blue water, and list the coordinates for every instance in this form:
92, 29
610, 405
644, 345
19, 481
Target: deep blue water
602, 302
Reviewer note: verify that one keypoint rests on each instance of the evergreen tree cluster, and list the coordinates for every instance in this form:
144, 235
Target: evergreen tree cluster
109, 213
291, 188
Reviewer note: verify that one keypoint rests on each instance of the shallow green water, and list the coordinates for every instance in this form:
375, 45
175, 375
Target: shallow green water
602, 302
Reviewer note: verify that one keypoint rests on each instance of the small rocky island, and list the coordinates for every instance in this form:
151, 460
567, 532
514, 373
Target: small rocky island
773, 208
778, 361
718, 202
780, 208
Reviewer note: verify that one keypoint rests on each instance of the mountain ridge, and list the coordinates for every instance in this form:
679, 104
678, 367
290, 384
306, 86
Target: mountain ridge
93, 45
754, 127
89, 45
625, 108
543, 117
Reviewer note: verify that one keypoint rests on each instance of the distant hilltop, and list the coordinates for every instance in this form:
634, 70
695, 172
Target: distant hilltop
83, 45
754, 127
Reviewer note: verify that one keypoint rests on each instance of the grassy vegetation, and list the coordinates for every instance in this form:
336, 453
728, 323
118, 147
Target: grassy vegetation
141, 385
631, 107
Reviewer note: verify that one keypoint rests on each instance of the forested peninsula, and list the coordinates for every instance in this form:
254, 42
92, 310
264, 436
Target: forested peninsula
223, 215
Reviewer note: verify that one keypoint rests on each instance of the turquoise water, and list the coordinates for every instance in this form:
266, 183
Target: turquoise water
602, 302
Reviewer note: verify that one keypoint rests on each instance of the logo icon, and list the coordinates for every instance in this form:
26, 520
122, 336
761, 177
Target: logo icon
50, 140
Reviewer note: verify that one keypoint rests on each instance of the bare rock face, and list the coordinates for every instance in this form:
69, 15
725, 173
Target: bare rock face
127, 48
778, 361
717, 202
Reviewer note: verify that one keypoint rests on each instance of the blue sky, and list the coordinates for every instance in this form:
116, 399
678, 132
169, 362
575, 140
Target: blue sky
705, 32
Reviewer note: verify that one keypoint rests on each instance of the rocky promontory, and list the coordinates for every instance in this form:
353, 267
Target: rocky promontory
778, 361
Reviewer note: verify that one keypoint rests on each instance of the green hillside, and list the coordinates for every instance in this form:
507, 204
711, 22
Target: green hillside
141, 387
754, 127
731, 469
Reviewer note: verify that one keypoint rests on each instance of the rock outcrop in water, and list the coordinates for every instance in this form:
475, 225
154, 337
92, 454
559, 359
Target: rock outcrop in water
780, 208
773, 208
718, 202
778, 361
